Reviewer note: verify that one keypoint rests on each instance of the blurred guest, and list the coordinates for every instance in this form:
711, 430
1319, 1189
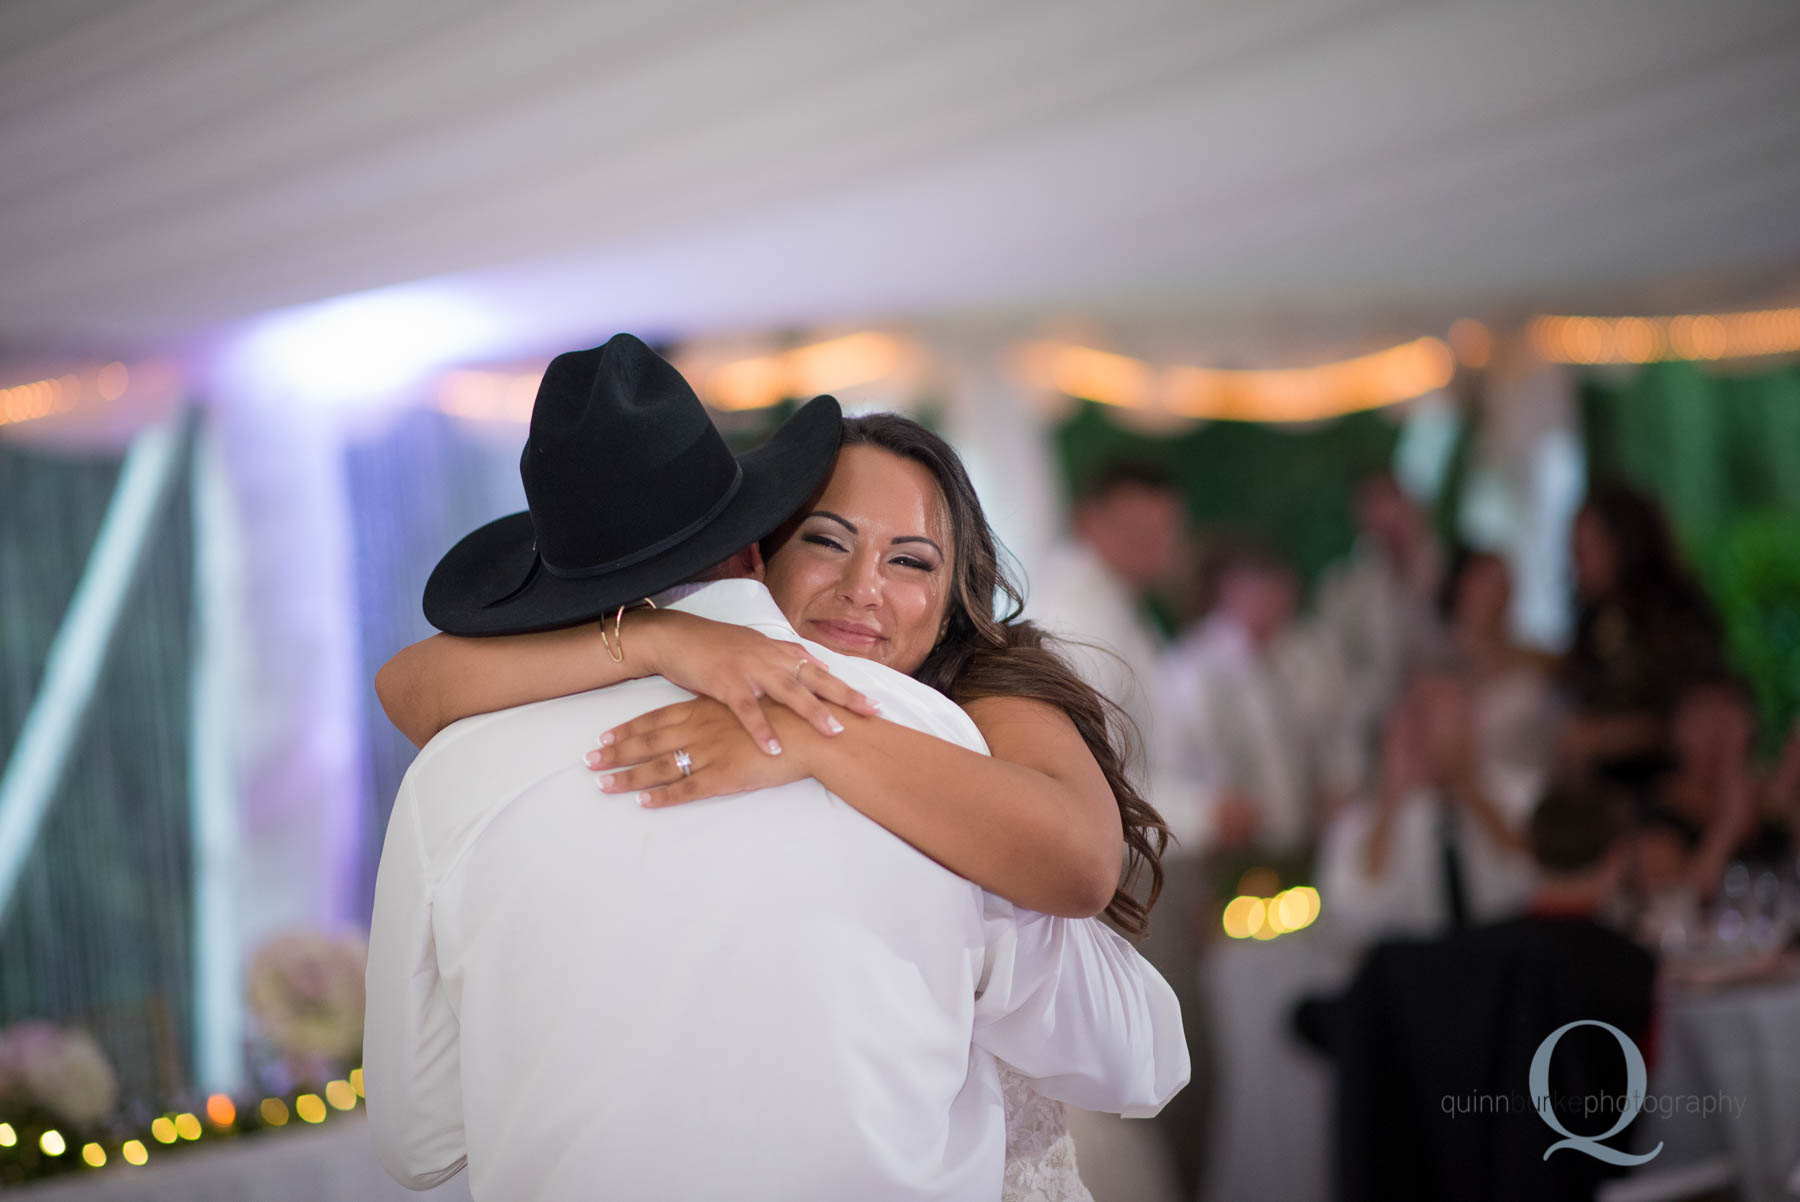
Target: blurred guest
1128, 524
1643, 630
1378, 608
1513, 705
1128, 527
1440, 842
1435, 1038
1710, 808
1234, 724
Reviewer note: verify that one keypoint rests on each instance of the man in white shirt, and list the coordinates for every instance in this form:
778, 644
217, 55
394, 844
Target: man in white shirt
764, 997
1377, 609
1238, 706
1128, 524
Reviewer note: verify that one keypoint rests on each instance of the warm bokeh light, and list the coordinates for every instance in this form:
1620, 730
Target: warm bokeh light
221, 1110
1263, 918
8, 1137
94, 1155
1297, 907
187, 1126
53, 1143
112, 381
807, 371
489, 396
1371, 381
135, 1152
1472, 342
1594, 340
162, 1129
356, 1082
310, 1107
341, 1095
274, 1112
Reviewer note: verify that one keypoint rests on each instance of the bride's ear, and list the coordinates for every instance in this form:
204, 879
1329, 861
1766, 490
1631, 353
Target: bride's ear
757, 569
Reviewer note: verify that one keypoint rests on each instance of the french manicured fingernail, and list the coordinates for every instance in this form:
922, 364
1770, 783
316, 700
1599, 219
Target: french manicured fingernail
606, 740
834, 726
873, 704
605, 784
643, 799
774, 747
595, 759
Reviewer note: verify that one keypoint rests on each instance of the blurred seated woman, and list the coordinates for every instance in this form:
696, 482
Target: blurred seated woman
1712, 806
1643, 631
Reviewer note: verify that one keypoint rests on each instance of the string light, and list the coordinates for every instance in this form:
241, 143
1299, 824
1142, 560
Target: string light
1472, 342
220, 1110
1704, 336
822, 367
89, 388
1370, 381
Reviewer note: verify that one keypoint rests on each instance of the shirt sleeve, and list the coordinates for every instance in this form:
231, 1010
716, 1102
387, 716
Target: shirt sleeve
411, 1037
1068, 1003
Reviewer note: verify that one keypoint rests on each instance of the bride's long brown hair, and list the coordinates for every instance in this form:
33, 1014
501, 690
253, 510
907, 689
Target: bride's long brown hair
988, 650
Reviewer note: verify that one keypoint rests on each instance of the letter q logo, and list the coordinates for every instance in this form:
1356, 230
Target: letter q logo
1635, 1080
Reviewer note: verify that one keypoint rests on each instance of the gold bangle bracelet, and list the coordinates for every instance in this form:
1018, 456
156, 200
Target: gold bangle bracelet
617, 653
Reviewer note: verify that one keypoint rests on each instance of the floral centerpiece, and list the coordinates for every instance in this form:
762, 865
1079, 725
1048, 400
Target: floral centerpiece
57, 1072
306, 994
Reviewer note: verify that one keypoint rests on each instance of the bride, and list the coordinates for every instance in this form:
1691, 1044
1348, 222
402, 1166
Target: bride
892, 561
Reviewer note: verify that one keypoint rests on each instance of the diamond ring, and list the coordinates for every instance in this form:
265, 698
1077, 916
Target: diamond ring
683, 762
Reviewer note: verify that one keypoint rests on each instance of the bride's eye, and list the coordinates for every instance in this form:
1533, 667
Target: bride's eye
908, 561
820, 540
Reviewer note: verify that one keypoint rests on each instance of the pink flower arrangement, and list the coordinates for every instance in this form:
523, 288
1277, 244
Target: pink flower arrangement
61, 1071
307, 996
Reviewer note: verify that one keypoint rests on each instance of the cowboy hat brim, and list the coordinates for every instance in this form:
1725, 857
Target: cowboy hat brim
492, 582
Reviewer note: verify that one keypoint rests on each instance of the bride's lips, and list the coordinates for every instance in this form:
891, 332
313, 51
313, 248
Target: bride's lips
847, 634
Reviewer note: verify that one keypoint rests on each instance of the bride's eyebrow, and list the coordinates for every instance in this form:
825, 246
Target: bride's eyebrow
847, 524
917, 538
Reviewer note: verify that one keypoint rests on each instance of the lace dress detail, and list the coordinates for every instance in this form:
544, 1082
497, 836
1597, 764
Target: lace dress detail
1040, 1152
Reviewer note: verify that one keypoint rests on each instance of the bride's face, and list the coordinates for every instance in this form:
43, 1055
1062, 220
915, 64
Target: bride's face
867, 571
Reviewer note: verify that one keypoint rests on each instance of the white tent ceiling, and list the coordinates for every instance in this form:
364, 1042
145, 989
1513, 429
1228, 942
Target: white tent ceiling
176, 166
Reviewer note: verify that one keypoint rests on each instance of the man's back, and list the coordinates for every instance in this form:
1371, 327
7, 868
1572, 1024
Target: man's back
769, 996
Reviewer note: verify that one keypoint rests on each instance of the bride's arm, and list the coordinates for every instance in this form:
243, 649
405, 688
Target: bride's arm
432, 683
1035, 822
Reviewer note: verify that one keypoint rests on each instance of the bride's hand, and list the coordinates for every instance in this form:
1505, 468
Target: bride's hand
721, 757
738, 666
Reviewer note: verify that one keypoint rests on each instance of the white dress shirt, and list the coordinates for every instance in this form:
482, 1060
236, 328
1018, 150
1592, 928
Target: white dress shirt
764, 996
1236, 722
1102, 632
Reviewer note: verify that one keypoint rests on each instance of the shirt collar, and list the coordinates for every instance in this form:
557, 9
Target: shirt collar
740, 601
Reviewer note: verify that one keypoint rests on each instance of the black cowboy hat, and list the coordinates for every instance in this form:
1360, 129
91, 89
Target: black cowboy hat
631, 490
